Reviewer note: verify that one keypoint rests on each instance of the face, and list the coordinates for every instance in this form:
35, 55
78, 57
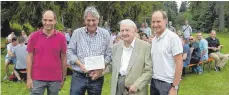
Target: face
91, 22
186, 22
199, 36
143, 25
144, 37
127, 32
158, 23
170, 23
48, 21
14, 43
213, 34
191, 39
22, 33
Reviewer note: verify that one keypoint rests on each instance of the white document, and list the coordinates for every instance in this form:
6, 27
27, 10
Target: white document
94, 62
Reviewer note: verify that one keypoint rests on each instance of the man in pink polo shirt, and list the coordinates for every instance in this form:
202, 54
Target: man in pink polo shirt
46, 59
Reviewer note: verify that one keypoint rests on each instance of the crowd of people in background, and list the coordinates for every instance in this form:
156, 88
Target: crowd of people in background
92, 40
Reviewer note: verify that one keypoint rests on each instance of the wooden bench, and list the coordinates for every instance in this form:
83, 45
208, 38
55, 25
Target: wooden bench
202, 63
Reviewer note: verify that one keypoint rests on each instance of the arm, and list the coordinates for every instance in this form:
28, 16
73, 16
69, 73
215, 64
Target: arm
108, 50
184, 56
72, 52
64, 58
9, 52
177, 50
178, 70
29, 61
144, 79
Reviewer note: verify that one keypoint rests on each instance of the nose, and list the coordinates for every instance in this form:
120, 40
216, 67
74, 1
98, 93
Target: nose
90, 23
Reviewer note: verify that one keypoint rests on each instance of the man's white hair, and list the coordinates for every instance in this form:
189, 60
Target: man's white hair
92, 10
128, 22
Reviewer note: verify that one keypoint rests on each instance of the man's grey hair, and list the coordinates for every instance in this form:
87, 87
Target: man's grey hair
92, 10
128, 22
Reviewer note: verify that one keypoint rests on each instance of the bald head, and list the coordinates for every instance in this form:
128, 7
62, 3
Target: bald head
48, 20
213, 34
50, 13
159, 21
160, 13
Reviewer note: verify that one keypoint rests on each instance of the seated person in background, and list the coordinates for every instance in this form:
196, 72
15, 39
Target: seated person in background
144, 37
9, 56
20, 53
203, 44
186, 55
213, 48
195, 55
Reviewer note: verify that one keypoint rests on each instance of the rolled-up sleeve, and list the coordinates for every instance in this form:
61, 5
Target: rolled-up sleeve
72, 49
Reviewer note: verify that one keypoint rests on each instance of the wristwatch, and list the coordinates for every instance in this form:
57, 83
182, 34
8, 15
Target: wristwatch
175, 86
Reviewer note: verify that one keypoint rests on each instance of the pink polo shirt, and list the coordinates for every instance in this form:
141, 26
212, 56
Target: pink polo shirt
46, 51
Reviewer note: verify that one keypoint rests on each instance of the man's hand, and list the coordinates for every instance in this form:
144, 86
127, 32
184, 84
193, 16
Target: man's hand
82, 67
172, 91
132, 89
29, 83
95, 74
62, 84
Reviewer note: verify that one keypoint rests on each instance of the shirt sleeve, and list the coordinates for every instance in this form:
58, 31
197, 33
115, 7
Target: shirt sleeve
186, 49
31, 43
108, 51
176, 45
63, 46
72, 49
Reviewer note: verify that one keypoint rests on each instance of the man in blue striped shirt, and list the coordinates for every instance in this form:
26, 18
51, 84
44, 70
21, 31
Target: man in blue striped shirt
88, 41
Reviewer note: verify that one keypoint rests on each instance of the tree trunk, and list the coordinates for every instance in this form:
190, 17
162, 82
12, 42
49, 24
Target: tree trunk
221, 16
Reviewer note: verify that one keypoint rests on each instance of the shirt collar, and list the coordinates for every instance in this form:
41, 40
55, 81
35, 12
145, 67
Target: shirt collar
97, 30
42, 33
163, 34
132, 43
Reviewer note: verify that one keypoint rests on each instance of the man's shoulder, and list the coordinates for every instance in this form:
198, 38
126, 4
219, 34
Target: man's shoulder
35, 33
172, 34
186, 46
116, 45
104, 31
143, 43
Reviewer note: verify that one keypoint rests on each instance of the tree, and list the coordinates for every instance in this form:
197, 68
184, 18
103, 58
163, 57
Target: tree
221, 16
183, 6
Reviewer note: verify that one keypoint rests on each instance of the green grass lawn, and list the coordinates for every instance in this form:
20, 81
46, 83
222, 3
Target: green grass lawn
208, 83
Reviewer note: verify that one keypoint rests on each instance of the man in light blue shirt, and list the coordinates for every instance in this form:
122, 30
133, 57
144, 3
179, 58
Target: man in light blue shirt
203, 44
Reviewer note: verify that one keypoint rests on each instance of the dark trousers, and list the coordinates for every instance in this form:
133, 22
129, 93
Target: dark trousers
81, 82
158, 87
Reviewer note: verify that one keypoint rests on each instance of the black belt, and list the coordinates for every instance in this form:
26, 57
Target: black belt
82, 74
161, 81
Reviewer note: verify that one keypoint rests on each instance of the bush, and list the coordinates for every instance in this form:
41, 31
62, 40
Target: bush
59, 26
28, 28
16, 28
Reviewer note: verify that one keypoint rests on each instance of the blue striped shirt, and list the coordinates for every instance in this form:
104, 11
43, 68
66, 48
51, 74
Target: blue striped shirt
82, 44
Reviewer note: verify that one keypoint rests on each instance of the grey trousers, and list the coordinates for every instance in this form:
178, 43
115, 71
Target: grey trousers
40, 86
121, 90
158, 87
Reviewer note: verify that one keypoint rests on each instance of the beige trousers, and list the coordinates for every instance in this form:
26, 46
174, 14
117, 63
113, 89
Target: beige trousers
220, 59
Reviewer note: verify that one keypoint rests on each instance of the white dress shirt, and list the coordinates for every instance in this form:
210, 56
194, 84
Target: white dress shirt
126, 54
